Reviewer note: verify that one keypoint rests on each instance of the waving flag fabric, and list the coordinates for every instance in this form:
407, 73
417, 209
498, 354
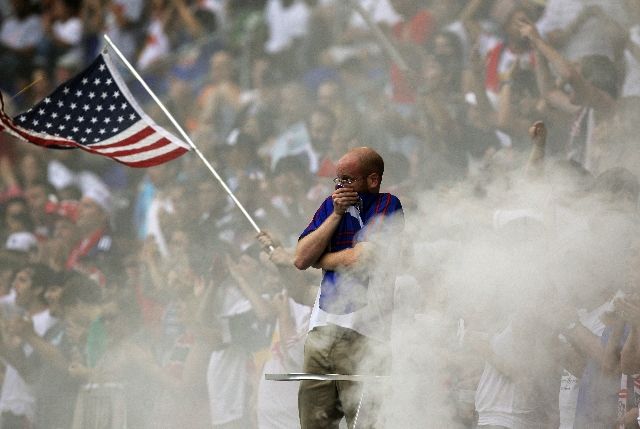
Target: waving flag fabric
95, 111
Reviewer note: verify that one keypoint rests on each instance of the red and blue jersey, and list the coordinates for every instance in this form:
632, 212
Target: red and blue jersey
340, 295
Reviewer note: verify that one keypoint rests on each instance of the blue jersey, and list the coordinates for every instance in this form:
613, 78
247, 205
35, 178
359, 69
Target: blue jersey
337, 295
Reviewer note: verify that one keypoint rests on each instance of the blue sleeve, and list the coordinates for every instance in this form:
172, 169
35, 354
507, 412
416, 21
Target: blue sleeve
321, 215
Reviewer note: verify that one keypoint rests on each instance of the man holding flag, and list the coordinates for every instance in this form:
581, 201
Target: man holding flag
350, 322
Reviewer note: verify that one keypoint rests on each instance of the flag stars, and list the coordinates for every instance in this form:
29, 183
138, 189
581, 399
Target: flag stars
40, 112
48, 125
112, 107
94, 120
47, 100
35, 122
75, 129
96, 140
61, 127
85, 81
107, 120
92, 95
80, 118
78, 93
104, 95
54, 115
67, 117
72, 106
85, 107
132, 116
102, 131
83, 139
96, 81
120, 118
116, 94
123, 106
99, 108
65, 91
60, 103
88, 130
108, 82
114, 129
102, 67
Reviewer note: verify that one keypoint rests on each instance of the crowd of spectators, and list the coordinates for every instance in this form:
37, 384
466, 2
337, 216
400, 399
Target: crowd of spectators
142, 298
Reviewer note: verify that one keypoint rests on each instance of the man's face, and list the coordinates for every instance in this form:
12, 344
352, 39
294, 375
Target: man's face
320, 130
26, 291
14, 214
52, 296
90, 215
328, 94
349, 167
5, 280
36, 198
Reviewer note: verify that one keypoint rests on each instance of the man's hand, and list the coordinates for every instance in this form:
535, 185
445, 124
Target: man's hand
528, 29
342, 199
538, 133
267, 241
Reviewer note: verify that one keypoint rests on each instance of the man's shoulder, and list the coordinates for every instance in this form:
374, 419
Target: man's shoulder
388, 202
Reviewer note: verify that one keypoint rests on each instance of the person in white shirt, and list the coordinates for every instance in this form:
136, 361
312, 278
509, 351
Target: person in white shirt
20, 34
17, 403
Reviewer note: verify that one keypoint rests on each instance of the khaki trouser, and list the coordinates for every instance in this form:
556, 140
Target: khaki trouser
335, 350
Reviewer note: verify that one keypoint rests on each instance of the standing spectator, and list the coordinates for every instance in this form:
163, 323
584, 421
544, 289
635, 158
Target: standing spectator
63, 33
219, 102
578, 28
20, 34
17, 401
415, 29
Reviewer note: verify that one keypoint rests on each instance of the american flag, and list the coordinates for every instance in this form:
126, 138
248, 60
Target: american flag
95, 111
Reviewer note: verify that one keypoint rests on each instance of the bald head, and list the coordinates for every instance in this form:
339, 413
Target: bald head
362, 163
370, 161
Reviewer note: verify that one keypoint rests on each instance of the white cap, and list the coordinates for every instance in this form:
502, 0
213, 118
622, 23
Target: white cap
100, 195
94, 188
21, 242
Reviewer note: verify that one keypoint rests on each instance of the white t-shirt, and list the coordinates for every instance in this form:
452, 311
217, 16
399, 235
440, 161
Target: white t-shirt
156, 45
278, 400
285, 24
632, 66
568, 398
380, 11
227, 377
21, 34
595, 36
16, 395
503, 402
69, 31
294, 141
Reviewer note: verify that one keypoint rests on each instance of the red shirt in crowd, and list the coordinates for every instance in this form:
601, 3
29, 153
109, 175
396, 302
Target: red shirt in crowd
418, 31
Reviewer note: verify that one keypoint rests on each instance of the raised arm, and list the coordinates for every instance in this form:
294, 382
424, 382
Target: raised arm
311, 247
585, 92
538, 135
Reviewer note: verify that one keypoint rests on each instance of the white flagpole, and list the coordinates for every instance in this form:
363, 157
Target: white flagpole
184, 135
